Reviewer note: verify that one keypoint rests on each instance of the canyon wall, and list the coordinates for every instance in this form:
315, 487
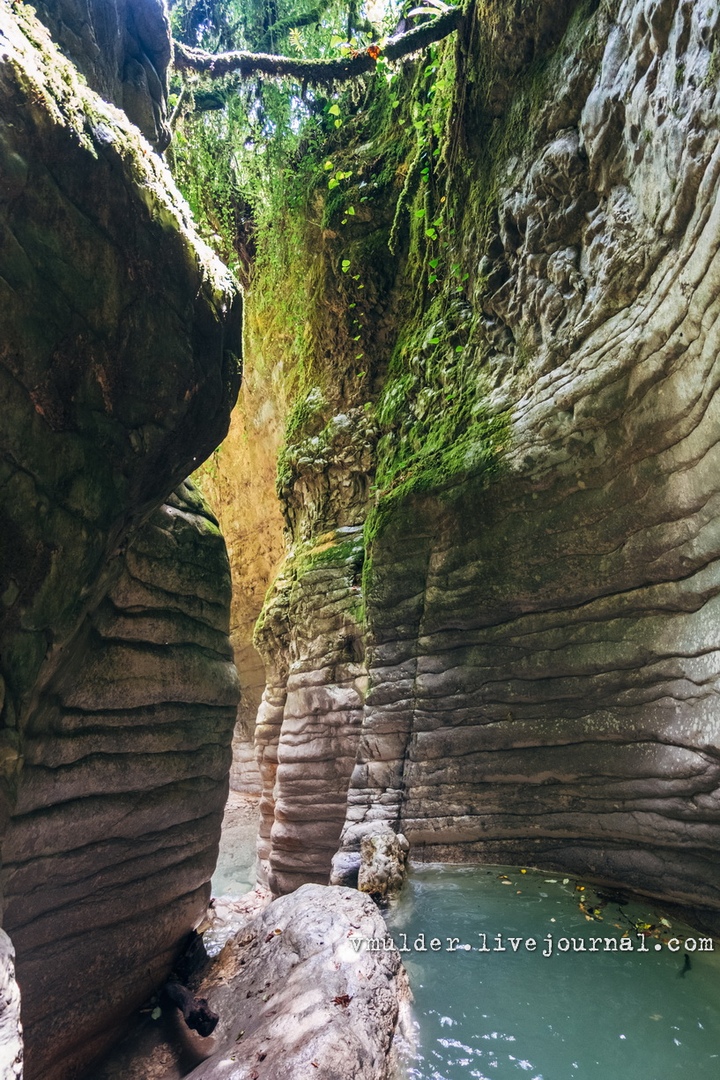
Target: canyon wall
238, 481
118, 369
115, 832
123, 48
538, 616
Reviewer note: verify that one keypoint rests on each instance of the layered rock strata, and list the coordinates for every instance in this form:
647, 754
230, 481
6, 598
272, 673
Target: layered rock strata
308, 724
119, 379
118, 369
115, 832
552, 687
541, 589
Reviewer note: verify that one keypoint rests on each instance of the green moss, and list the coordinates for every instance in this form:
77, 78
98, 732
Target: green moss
304, 420
334, 553
428, 156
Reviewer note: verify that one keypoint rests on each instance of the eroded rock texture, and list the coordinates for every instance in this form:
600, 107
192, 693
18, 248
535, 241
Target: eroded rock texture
542, 593
117, 823
308, 724
118, 369
552, 686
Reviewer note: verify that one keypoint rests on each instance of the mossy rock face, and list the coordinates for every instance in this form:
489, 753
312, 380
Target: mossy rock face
122, 47
118, 366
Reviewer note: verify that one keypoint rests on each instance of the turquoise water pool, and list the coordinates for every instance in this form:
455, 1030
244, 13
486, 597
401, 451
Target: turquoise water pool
573, 1005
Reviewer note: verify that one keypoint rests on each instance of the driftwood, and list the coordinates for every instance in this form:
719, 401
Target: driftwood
198, 1014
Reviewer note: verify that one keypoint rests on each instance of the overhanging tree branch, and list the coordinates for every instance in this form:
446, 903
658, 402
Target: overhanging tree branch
247, 64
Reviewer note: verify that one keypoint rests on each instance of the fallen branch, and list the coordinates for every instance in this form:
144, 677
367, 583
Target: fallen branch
247, 64
198, 1014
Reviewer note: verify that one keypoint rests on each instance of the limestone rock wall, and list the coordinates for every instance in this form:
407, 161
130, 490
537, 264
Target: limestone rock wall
552, 689
540, 594
116, 828
118, 370
308, 723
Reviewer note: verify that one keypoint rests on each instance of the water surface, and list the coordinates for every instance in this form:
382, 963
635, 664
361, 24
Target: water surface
503, 1015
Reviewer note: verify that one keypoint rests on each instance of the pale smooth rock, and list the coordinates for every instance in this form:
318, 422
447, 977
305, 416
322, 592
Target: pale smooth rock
11, 1044
297, 999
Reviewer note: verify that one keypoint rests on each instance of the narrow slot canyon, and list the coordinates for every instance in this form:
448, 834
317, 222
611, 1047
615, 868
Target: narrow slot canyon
360, 545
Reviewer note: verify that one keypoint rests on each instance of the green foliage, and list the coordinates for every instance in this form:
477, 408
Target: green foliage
236, 143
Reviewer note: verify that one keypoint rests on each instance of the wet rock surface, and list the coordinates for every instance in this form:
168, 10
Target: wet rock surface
382, 863
539, 641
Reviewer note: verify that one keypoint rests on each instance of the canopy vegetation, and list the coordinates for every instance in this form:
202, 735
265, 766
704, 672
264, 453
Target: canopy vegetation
261, 83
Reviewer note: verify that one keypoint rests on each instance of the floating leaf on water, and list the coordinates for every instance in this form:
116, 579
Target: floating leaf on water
156, 1013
